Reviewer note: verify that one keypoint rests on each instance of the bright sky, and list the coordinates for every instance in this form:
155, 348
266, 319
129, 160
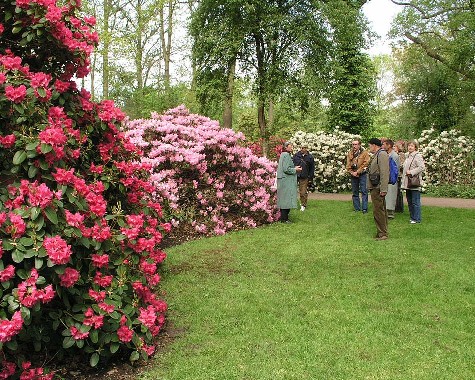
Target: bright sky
380, 13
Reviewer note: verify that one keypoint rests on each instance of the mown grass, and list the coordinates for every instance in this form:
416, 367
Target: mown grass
320, 299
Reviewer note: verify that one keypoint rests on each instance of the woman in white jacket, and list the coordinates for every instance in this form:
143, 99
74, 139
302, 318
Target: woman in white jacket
413, 166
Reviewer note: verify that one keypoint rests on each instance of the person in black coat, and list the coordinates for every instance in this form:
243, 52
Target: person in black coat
305, 160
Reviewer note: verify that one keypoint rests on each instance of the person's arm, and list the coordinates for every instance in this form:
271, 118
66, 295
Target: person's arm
364, 161
288, 165
348, 163
383, 162
419, 165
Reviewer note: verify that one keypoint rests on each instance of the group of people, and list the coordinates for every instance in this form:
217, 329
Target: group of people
369, 174
293, 172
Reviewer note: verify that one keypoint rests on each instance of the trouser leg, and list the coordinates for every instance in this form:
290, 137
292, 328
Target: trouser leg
379, 212
303, 191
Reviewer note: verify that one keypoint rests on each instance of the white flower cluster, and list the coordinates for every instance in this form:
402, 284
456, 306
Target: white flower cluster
449, 157
329, 151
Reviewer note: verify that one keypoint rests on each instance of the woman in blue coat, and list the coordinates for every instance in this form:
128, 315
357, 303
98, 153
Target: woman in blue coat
286, 183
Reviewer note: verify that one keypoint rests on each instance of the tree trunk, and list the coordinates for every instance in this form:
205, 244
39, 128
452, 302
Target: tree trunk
228, 99
166, 40
261, 93
139, 48
105, 49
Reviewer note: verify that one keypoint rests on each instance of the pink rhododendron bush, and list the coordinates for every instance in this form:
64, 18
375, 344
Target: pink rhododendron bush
79, 237
202, 174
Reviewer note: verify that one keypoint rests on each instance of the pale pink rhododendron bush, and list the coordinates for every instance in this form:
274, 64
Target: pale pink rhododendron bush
202, 174
79, 235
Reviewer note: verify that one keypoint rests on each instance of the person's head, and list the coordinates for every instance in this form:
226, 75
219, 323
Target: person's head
288, 147
388, 145
304, 148
412, 146
374, 145
356, 144
399, 147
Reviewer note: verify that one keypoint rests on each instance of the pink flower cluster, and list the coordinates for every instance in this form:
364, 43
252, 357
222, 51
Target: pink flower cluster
75, 200
9, 329
201, 168
29, 295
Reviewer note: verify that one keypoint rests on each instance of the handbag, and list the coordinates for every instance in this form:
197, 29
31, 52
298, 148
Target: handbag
413, 181
374, 179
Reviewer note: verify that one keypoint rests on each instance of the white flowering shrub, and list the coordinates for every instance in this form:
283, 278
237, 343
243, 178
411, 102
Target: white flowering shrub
449, 158
329, 151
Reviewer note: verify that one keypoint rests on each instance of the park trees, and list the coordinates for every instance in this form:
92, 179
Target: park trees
265, 39
295, 51
436, 76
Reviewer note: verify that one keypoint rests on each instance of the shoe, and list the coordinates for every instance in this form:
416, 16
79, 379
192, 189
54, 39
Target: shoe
381, 238
413, 222
390, 216
365, 211
286, 221
302, 208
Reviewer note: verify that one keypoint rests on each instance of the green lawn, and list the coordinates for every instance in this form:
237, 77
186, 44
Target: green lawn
320, 299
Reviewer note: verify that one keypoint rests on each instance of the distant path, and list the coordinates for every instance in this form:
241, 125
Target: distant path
426, 201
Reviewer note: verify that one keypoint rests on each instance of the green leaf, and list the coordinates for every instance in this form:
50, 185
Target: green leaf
46, 148
12, 345
51, 215
32, 171
16, 29
22, 273
94, 335
39, 223
68, 342
94, 359
41, 92
34, 212
134, 356
31, 146
38, 263
26, 241
7, 245
19, 157
114, 347
17, 256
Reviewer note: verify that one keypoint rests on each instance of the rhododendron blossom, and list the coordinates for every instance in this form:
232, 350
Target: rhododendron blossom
8, 329
57, 249
78, 222
196, 148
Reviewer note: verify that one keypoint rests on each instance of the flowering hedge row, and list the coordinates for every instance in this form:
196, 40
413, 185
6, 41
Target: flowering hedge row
202, 173
449, 158
329, 151
79, 236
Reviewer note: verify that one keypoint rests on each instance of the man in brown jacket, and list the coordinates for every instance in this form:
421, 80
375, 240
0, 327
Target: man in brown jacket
357, 161
378, 178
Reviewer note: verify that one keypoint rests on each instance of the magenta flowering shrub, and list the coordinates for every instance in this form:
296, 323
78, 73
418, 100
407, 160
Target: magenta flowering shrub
79, 236
202, 173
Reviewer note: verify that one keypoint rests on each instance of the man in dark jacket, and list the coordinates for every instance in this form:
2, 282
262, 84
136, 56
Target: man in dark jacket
304, 159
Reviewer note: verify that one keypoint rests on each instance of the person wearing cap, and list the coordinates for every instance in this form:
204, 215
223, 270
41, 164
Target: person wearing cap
357, 161
286, 183
378, 178
305, 160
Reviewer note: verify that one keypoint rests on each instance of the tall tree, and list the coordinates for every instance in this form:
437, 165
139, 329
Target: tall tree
437, 39
353, 85
265, 37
